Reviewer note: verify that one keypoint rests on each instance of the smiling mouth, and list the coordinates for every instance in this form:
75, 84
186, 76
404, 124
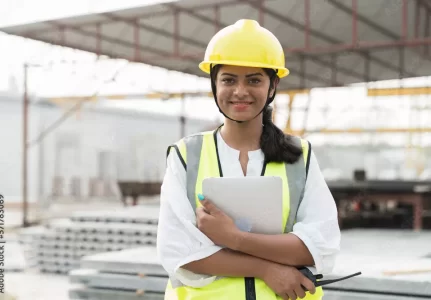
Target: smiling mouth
240, 103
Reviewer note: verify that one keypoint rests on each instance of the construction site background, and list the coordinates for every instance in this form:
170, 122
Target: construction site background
93, 92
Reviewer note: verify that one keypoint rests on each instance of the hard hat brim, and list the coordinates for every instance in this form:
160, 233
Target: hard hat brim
206, 65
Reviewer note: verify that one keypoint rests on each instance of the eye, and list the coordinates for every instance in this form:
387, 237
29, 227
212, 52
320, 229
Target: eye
227, 80
254, 81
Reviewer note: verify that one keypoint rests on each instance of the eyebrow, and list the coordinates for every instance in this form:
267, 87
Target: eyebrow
248, 75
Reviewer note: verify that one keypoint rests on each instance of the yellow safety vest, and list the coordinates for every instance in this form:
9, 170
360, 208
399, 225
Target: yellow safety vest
199, 156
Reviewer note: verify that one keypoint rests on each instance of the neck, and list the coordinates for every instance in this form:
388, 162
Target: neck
243, 136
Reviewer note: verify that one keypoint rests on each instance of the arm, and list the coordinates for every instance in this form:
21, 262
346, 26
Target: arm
231, 264
179, 241
315, 238
186, 253
286, 249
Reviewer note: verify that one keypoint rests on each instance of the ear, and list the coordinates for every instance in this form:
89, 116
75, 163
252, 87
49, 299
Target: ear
274, 85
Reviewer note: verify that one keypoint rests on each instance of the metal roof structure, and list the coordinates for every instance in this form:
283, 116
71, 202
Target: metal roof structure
327, 42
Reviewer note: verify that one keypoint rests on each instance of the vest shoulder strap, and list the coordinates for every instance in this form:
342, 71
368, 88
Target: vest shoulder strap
181, 146
307, 155
297, 174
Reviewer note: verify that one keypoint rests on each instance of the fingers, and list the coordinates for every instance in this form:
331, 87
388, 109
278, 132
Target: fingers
309, 285
208, 205
201, 214
300, 293
292, 295
200, 211
284, 296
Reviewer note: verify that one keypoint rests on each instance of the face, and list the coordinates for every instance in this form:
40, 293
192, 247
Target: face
242, 91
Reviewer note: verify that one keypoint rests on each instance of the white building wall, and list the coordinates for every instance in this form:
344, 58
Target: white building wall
119, 145
97, 143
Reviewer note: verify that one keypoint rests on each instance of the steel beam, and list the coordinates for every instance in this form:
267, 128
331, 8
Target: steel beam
375, 26
98, 41
355, 17
418, 8
324, 37
404, 33
427, 31
156, 30
401, 59
175, 35
426, 5
155, 96
150, 15
25, 106
209, 20
307, 108
137, 33
192, 13
340, 69
160, 53
176, 31
261, 12
382, 29
354, 22
106, 52
216, 19
307, 23
369, 45
307, 49
336, 46
412, 91
367, 75
364, 130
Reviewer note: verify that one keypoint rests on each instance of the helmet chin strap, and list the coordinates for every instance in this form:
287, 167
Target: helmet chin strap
268, 101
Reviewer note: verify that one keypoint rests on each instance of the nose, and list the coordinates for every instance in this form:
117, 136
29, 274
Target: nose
240, 90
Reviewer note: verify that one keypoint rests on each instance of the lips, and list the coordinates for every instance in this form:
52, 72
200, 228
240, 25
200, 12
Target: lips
241, 103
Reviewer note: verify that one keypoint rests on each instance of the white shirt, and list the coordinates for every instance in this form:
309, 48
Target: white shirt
179, 241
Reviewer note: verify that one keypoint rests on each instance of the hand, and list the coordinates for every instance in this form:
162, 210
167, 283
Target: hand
287, 281
216, 225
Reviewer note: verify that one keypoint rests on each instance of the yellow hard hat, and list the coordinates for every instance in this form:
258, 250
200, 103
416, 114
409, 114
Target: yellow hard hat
247, 44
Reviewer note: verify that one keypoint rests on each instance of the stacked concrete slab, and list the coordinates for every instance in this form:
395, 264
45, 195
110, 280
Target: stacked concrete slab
137, 274
28, 239
130, 274
59, 246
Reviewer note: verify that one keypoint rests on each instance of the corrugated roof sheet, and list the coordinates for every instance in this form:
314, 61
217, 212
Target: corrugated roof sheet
329, 60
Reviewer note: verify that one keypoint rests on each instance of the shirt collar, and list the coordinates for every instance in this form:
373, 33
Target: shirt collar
233, 153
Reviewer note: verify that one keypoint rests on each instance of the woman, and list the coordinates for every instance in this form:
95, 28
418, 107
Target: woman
205, 254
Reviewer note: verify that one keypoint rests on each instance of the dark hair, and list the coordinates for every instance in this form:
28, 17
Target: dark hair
274, 143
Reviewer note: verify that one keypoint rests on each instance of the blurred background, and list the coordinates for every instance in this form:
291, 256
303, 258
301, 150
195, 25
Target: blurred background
93, 92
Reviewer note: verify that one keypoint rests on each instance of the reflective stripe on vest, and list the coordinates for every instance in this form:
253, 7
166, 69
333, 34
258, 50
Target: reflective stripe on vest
198, 154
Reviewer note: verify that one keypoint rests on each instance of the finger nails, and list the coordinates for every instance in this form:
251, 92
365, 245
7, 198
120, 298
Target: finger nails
201, 197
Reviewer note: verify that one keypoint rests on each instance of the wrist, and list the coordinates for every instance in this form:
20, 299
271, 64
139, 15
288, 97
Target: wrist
265, 270
236, 241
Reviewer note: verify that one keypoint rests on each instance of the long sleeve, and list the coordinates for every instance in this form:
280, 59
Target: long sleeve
317, 220
179, 241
